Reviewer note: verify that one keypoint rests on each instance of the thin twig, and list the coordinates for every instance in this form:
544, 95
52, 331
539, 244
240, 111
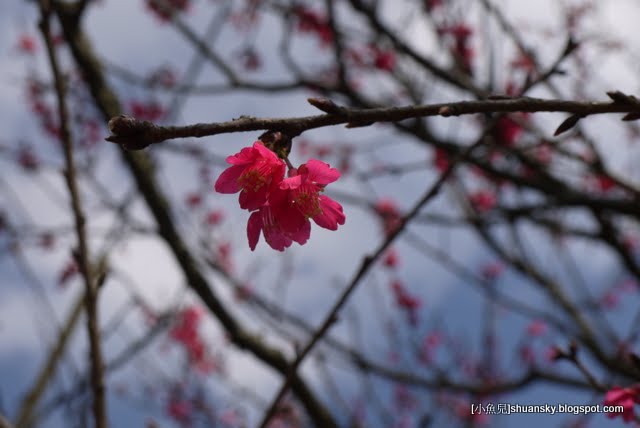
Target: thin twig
30, 402
82, 253
366, 264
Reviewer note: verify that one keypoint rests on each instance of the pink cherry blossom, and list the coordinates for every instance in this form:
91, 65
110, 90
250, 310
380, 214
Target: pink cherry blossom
391, 259
523, 62
507, 131
441, 160
483, 200
264, 220
224, 256
460, 35
284, 218
193, 200
151, 110
604, 183
430, 344
312, 22
254, 172
625, 397
282, 207
186, 332
389, 213
180, 410
411, 304
383, 59
537, 328
215, 217
27, 44
303, 197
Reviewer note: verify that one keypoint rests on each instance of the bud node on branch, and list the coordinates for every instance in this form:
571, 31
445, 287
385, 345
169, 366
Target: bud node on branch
131, 133
446, 111
326, 105
620, 98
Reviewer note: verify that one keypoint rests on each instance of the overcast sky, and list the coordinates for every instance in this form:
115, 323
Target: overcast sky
127, 36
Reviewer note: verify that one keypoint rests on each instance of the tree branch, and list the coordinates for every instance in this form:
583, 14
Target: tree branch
142, 170
82, 253
4, 423
367, 263
135, 134
31, 399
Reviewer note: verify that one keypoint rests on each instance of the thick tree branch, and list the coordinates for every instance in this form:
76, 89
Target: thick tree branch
140, 167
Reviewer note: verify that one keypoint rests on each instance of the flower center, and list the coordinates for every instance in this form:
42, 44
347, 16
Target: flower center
252, 180
307, 202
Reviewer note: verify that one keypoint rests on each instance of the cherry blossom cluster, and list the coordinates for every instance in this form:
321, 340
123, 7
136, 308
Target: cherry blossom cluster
186, 332
459, 38
150, 110
280, 207
372, 55
313, 22
36, 98
390, 218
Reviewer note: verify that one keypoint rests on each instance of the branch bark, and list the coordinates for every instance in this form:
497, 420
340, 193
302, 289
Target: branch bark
135, 134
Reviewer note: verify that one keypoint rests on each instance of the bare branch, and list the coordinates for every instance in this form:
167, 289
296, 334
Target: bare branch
82, 254
141, 169
32, 397
367, 263
135, 134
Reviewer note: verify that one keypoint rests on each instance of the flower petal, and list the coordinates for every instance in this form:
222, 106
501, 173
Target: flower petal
291, 219
291, 182
288, 218
301, 236
228, 180
276, 238
250, 200
265, 152
243, 157
331, 215
321, 172
254, 226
